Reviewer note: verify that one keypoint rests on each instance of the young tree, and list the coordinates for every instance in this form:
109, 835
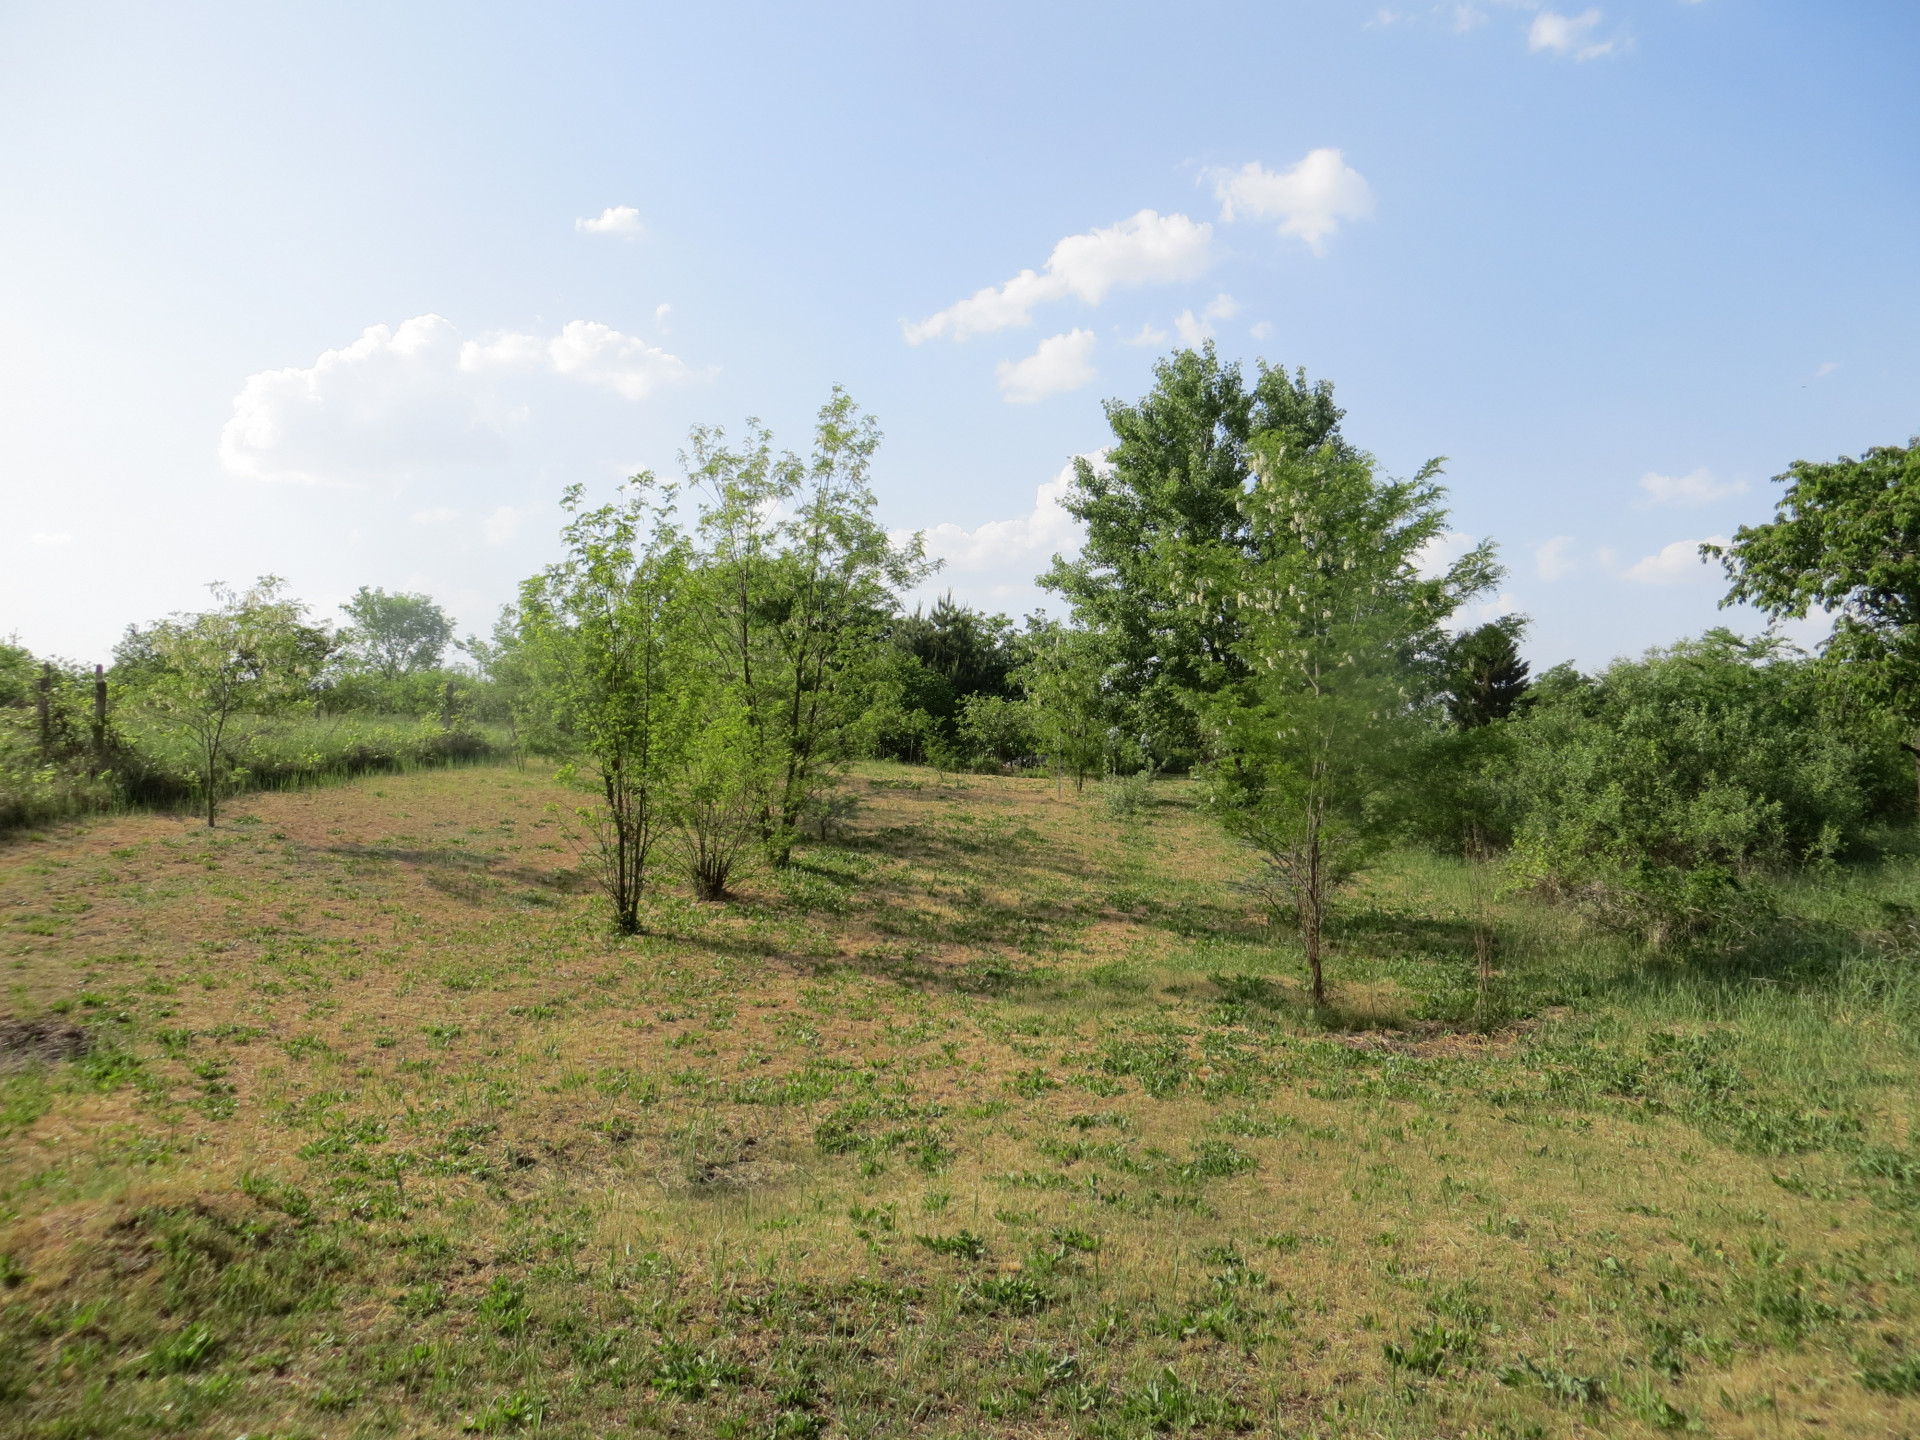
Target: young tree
1845, 538
1336, 664
217, 676
1066, 698
799, 583
995, 728
604, 640
1168, 491
395, 635
716, 789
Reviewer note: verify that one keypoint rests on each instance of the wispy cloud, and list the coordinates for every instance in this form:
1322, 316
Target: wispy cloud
1148, 247
1553, 559
1699, 487
1571, 35
416, 396
1015, 544
1194, 331
504, 523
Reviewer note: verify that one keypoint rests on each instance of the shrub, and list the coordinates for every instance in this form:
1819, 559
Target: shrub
1661, 793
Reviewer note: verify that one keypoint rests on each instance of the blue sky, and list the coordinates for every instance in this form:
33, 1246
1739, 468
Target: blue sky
1620, 264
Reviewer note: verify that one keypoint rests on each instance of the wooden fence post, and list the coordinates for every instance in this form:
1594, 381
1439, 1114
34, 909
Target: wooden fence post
46, 708
100, 713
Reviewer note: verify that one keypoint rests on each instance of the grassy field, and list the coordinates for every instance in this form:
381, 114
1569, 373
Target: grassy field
997, 1114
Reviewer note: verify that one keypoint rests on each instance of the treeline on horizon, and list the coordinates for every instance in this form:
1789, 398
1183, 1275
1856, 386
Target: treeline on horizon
1250, 608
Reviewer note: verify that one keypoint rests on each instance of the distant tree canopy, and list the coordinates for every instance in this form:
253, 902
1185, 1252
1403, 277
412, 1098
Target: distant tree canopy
1486, 677
973, 652
395, 634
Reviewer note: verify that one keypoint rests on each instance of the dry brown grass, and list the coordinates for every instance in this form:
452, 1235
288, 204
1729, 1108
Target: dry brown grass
384, 1071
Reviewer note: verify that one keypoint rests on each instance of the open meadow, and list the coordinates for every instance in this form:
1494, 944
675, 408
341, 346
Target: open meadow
998, 1113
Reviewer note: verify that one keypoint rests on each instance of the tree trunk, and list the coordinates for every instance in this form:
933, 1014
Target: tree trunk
1477, 858
1311, 916
1914, 750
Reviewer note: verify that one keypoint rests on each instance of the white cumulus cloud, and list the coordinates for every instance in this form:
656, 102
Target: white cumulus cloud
600, 355
1062, 363
389, 403
1570, 35
1148, 248
1699, 487
403, 399
1309, 200
1676, 564
620, 220
1017, 544
51, 540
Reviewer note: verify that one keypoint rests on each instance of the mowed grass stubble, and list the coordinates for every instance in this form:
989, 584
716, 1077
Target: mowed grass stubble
998, 1113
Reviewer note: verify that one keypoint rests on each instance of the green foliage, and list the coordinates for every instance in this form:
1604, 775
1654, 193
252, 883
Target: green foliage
993, 727
1167, 493
972, 652
1486, 677
948, 695
1068, 702
52, 763
394, 635
1167, 1404
717, 785
1662, 792
1335, 662
798, 581
1845, 539
217, 678
608, 637
962, 1245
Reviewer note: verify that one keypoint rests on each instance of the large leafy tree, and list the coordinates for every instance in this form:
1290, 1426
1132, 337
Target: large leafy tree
1335, 665
603, 633
1845, 538
1167, 492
